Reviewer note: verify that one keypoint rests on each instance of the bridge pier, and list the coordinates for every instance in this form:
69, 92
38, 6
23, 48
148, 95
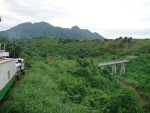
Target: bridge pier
113, 64
122, 71
114, 69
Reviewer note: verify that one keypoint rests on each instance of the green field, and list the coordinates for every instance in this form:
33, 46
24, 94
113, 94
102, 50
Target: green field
62, 76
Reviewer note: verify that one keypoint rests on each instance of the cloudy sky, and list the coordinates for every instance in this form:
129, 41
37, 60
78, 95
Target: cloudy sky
110, 18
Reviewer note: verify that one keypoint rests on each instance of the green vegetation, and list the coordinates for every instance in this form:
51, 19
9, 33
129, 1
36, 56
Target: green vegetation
139, 75
29, 30
62, 76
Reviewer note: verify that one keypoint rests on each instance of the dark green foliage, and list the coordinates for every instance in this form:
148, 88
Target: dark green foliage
125, 101
75, 88
67, 40
146, 108
96, 99
139, 75
13, 49
86, 86
3, 39
63, 76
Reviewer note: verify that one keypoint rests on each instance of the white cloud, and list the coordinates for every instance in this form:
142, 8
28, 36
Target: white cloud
107, 17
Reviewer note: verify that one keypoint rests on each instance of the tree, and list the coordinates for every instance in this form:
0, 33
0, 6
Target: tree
120, 37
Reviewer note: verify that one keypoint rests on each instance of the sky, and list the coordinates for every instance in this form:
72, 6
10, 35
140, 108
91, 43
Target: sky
109, 18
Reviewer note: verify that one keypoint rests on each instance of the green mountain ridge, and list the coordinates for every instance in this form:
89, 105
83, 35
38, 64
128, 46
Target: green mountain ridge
45, 29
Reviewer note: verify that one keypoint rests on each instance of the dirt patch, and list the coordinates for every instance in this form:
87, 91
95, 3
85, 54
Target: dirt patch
49, 57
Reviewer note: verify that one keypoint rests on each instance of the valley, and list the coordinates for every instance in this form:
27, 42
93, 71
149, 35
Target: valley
62, 76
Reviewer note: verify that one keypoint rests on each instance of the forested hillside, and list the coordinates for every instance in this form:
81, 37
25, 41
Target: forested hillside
29, 30
62, 76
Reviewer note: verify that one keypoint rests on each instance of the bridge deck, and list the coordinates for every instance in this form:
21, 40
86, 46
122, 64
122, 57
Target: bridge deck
112, 62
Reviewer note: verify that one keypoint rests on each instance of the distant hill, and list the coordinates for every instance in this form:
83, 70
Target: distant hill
45, 29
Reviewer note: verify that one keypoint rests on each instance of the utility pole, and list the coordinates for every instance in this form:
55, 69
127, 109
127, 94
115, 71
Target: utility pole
14, 50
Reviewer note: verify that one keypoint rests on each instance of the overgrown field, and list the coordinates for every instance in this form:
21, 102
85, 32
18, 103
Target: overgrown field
62, 76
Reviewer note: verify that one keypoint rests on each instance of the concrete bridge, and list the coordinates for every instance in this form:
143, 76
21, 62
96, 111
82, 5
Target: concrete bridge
113, 63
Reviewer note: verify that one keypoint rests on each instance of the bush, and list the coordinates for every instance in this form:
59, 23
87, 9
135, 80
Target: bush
96, 98
146, 108
125, 101
75, 88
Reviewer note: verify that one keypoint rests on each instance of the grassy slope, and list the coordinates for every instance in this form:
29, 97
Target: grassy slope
138, 74
37, 92
41, 90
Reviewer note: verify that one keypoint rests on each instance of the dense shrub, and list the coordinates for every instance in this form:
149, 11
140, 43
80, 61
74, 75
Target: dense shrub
71, 82
125, 101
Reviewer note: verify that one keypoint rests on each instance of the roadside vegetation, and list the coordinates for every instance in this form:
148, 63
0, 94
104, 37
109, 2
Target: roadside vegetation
62, 76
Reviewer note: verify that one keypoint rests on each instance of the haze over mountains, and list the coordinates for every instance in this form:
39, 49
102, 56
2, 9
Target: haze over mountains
45, 29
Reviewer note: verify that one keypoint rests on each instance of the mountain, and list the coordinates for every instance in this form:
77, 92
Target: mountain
45, 29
